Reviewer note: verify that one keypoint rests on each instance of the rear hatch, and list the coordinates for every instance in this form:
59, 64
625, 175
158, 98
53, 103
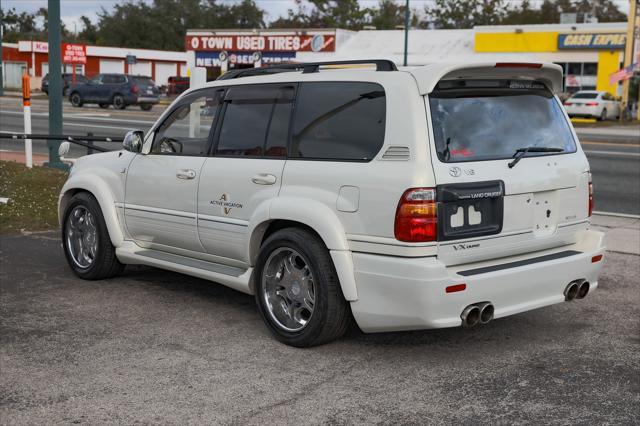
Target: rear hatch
510, 176
147, 86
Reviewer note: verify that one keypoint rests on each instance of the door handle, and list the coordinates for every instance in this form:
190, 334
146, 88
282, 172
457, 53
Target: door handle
264, 179
186, 174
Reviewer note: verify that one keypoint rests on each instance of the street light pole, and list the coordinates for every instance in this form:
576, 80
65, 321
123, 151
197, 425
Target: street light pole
406, 31
55, 84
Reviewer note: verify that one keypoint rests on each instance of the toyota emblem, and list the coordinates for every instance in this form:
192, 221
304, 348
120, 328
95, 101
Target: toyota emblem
455, 171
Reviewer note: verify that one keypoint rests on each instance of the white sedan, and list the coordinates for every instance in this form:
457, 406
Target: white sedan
591, 103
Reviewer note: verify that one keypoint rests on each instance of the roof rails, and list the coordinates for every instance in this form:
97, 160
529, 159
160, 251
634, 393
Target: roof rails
307, 68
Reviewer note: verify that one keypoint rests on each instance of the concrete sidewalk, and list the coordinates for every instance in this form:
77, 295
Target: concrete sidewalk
631, 131
623, 234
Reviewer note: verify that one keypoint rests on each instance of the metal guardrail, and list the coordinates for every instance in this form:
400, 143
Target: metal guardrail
86, 141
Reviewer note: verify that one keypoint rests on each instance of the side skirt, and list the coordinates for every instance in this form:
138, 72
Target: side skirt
233, 277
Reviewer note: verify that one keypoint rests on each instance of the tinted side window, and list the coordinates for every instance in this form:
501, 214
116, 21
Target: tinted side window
108, 79
339, 121
186, 130
120, 79
256, 121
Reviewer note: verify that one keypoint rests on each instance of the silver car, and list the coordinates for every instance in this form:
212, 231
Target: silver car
592, 103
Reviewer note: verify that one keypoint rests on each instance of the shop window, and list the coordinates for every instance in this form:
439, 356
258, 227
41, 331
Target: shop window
574, 68
590, 68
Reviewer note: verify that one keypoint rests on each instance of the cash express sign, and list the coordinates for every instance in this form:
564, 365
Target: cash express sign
262, 43
591, 41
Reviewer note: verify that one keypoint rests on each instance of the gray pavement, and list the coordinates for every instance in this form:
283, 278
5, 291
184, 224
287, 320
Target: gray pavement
158, 347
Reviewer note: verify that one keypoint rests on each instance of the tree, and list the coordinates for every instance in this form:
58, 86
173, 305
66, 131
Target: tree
465, 13
345, 14
89, 33
387, 16
163, 24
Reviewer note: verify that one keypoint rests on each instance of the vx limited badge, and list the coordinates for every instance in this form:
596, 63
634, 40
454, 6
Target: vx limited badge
225, 204
458, 247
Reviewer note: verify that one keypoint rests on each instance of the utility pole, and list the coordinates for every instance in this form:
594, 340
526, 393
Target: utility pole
406, 31
1, 63
55, 85
628, 53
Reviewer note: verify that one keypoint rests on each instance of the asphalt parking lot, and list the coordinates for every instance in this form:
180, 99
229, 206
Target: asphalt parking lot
163, 348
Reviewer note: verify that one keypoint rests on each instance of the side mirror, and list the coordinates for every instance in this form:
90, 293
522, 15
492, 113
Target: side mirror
133, 141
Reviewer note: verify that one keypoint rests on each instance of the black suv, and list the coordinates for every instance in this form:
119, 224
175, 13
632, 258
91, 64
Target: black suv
67, 80
119, 90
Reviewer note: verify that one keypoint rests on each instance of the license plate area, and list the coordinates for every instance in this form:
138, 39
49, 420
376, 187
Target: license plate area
470, 209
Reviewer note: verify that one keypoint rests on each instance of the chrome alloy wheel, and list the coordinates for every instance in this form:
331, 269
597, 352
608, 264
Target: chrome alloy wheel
288, 289
82, 237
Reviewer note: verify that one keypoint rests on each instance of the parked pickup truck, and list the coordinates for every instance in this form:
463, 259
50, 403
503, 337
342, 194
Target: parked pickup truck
119, 90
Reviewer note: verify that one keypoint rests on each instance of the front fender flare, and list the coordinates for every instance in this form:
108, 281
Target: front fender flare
102, 194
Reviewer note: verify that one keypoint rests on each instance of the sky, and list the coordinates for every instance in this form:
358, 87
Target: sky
71, 10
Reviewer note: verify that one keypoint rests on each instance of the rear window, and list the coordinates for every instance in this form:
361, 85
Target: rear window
490, 120
146, 81
585, 96
339, 121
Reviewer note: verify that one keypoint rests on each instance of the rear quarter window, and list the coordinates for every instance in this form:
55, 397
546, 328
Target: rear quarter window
338, 121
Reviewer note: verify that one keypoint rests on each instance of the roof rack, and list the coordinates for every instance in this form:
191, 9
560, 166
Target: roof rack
307, 68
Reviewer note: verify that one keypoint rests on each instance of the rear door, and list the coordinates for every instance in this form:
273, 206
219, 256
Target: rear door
245, 170
490, 205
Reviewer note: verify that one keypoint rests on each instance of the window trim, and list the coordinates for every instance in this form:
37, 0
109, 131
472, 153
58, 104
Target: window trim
188, 99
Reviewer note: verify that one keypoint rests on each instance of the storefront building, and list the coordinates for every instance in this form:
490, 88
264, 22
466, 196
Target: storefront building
221, 50
588, 53
34, 58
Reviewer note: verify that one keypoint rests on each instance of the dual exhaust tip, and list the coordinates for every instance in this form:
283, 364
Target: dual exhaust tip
577, 289
478, 313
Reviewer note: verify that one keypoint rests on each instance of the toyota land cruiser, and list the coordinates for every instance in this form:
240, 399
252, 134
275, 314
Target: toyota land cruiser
441, 196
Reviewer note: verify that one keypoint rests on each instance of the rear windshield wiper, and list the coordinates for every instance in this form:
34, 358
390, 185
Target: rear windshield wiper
521, 152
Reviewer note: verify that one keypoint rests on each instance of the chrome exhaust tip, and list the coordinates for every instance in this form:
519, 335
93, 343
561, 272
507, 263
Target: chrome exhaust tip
571, 291
486, 312
583, 290
470, 316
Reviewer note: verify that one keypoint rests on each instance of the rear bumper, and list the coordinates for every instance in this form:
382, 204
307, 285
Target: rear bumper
583, 111
148, 100
396, 293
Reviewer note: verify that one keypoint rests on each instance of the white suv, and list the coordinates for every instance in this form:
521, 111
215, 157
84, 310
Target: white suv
440, 196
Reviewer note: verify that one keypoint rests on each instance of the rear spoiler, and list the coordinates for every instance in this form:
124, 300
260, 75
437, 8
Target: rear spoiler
428, 76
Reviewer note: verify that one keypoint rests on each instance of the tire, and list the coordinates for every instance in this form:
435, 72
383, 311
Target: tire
118, 102
99, 261
103, 106
603, 115
146, 107
330, 316
76, 99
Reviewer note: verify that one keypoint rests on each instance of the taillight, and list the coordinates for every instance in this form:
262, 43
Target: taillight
590, 197
417, 216
568, 104
591, 104
134, 89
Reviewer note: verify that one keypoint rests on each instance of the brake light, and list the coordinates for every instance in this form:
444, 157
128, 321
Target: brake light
568, 104
134, 89
517, 65
590, 197
591, 104
416, 216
